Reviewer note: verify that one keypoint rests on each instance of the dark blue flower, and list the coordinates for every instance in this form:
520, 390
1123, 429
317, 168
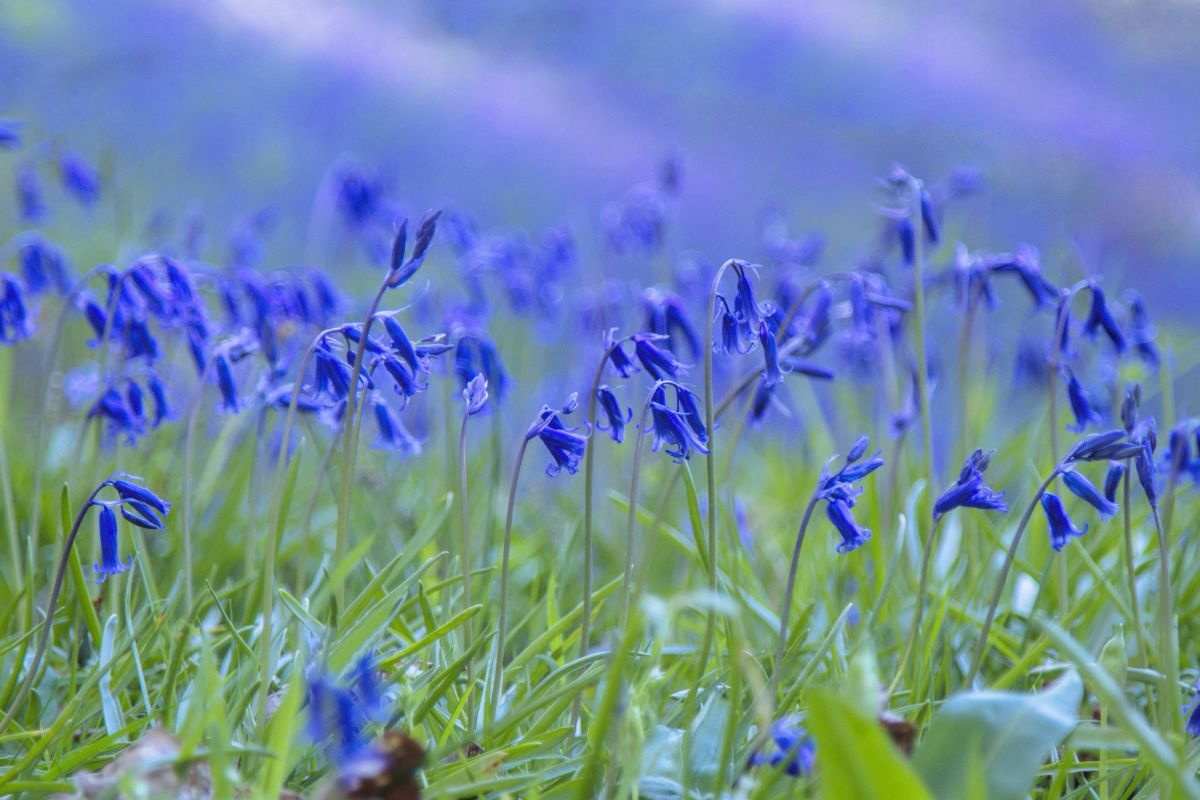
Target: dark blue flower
853, 535
1193, 719
10, 134
475, 354
475, 394
403, 346
111, 406
929, 216
79, 178
403, 271
44, 266
1108, 446
1112, 480
227, 385
158, 394
339, 715
1147, 472
565, 445
679, 428
1129, 407
1179, 450
15, 323
617, 357
110, 560
907, 238
1082, 488
969, 490
615, 418
1061, 529
1100, 318
790, 747
735, 338
659, 363
392, 433
747, 310
359, 195
667, 316
771, 371
1080, 407
29, 194
1025, 264
1144, 332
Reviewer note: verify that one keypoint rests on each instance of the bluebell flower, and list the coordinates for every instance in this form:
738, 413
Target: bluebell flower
745, 307
15, 322
638, 223
1193, 719
10, 134
764, 399
614, 418
565, 445
392, 433
476, 353
1147, 472
475, 394
735, 337
133, 399
404, 382
1080, 407
403, 346
771, 369
1101, 319
969, 490
1107, 446
660, 364
853, 535
30, 199
359, 194
1061, 529
138, 341
1026, 265
680, 429
110, 560
1143, 333
1112, 480
1178, 455
402, 271
907, 238
79, 178
929, 216
667, 317
799, 366
339, 715
789, 747
227, 385
1129, 407
618, 359
1082, 488
111, 406
44, 266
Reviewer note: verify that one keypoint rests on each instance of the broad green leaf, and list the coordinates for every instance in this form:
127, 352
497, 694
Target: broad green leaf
855, 757
1010, 736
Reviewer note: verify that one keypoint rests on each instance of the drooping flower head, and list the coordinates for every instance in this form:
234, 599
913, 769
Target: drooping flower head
138, 505
15, 321
565, 445
1085, 415
658, 362
1082, 488
1101, 319
839, 491
1061, 529
969, 490
338, 715
679, 428
615, 418
79, 178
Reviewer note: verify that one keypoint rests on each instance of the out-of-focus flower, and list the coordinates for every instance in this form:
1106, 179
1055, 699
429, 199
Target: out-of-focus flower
789, 747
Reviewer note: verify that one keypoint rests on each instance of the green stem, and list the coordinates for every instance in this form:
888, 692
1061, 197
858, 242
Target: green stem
922, 354
631, 524
502, 622
464, 511
1173, 700
1130, 567
922, 588
48, 625
786, 608
981, 646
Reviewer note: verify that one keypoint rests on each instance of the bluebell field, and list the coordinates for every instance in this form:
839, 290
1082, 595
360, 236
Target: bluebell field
458, 513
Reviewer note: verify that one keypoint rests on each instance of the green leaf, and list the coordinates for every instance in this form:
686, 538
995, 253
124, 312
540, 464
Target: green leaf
1008, 735
855, 757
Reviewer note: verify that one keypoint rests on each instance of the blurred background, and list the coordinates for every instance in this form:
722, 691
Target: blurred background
1082, 117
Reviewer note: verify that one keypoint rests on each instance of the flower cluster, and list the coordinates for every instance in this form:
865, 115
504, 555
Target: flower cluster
839, 491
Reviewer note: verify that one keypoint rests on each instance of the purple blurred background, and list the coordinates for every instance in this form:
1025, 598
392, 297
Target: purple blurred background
1083, 117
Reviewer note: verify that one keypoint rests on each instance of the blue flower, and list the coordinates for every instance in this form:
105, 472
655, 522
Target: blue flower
359, 195
111, 405
1144, 333
908, 240
339, 715
617, 357
1025, 264
227, 385
1107, 446
772, 374
475, 394
735, 338
677, 430
403, 271
392, 433
44, 266
1061, 529
1080, 407
659, 363
15, 323
10, 134
790, 746
614, 416
1147, 471
565, 445
666, 316
1112, 479
158, 394
1082, 488
853, 535
1100, 318
475, 354
1193, 721
110, 560
79, 178
747, 310
969, 490
29, 194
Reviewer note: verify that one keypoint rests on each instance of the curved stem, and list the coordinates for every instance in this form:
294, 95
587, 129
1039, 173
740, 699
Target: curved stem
922, 584
786, 608
982, 645
919, 338
350, 443
502, 623
48, 625
464, 511
631, 525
